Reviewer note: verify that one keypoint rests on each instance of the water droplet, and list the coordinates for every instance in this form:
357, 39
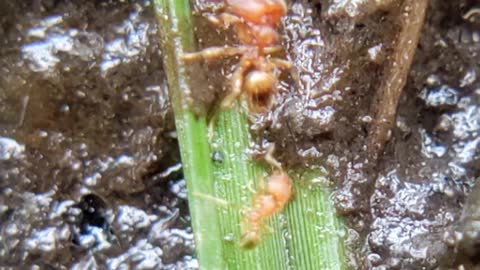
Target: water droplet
218, 157
229, 237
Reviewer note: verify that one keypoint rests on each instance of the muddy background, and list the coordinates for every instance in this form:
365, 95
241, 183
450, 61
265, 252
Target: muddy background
90, 176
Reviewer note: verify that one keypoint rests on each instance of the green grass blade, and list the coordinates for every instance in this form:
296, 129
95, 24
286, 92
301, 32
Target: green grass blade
307, 235
176, 36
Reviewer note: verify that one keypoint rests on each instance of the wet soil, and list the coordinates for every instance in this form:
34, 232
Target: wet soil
89, 165
90, 175
404, 208
401, 209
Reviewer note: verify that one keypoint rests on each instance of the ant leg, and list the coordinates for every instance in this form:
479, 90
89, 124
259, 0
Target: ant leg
217, 201
270, 159
237, 84
250, 188
213, 52
280, 63
211, 127
284, 64
272, 49
268, 228
224, 20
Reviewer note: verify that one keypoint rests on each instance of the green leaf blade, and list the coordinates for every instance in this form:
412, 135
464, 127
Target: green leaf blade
306, 235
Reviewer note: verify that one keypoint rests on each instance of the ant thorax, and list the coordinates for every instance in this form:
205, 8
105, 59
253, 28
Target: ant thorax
254, 23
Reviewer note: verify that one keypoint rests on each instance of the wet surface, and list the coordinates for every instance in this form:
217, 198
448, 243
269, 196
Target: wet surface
89, 167
402, 210
90, 172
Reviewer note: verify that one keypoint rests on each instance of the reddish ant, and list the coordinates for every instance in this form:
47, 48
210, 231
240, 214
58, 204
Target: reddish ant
268, 201
274, 193
272, 197
254, 22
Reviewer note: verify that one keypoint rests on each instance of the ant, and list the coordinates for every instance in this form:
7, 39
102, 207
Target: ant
254, 22
268, 201
275, 191
272, 197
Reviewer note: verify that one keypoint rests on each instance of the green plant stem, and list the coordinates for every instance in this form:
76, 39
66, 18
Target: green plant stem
176, 36
306, 235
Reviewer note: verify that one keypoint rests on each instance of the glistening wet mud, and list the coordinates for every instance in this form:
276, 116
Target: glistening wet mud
90, 170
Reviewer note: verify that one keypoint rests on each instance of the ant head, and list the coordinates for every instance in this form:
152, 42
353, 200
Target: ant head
250, 239
280, 186
260, 86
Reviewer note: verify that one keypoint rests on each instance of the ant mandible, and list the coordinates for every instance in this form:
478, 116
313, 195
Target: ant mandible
255, 23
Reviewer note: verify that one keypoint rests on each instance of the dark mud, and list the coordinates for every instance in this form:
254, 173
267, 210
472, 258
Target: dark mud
90, 176
401, 209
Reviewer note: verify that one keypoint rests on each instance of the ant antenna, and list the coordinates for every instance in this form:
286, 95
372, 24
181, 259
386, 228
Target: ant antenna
270, 159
